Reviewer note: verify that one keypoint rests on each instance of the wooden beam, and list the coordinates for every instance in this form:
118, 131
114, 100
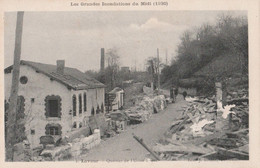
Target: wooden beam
233, 154
198, 141
146, 147
11, 122
187, 148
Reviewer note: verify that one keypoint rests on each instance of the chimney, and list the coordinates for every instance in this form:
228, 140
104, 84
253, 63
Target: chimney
102, 60
60, 66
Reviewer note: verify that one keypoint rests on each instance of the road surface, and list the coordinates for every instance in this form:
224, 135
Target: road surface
123, 147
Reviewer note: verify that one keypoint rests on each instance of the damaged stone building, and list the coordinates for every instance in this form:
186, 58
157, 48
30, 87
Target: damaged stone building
55, 99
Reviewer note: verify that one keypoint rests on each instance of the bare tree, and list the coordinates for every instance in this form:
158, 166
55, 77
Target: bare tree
153, 68
112, 57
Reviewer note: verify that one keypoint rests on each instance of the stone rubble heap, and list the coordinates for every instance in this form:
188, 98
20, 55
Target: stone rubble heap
141, 111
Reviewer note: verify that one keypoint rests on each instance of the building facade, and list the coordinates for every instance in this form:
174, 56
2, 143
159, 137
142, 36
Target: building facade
55, 99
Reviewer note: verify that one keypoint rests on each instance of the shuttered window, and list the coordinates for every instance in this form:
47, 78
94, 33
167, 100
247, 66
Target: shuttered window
80, 104
53, 129
97, 110
85, 101
92, 111
102, 108
74, 104
53, 106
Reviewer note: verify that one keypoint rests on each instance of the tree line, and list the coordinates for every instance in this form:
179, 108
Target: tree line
199, 46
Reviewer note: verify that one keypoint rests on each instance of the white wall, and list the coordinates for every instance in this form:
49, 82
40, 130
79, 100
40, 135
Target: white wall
94, 97
38, 87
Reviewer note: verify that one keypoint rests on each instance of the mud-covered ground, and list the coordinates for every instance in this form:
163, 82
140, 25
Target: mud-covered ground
123, 147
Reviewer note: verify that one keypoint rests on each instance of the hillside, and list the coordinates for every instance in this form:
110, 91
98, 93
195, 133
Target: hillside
214, 52
226, 67
222, 66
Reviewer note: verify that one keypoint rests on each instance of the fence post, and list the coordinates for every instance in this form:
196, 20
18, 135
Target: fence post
221, 123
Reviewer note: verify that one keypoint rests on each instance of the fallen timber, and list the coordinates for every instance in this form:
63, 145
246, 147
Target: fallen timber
195, 136
146, 147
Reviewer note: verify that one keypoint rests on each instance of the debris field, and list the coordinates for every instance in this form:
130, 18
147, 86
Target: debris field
206, 130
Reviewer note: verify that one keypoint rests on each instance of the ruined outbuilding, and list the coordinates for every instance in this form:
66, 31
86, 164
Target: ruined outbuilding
115, 99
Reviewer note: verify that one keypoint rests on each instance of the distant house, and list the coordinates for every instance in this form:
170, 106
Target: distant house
125, 69
55, 99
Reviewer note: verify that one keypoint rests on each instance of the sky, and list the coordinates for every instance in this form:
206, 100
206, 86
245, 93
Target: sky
77, 37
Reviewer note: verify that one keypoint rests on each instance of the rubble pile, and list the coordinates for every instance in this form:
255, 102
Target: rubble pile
239, 98
69, 150
142, 111
148, 90
117, 122
207, 131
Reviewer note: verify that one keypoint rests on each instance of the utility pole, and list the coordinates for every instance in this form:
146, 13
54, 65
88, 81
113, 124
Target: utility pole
152, 73
11, 122
158, 69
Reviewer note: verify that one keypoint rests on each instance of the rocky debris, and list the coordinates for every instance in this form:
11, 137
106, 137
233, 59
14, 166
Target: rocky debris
145, 108
84, 131
147, 90
195, 135
159, 103
141, 111
118, 116
57, 153
49, 140
119, 121
73, 149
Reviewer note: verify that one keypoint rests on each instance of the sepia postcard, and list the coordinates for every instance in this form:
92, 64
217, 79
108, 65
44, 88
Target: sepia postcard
122, 83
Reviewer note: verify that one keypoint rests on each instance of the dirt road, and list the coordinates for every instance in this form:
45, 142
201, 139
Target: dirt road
123, 147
